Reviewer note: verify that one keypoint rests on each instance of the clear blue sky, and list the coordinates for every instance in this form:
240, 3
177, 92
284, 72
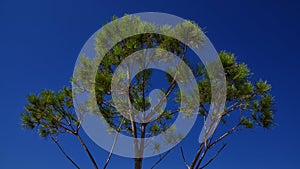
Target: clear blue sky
40, 41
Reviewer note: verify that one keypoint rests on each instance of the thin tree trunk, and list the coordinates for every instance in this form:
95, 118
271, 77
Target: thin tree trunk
138, 162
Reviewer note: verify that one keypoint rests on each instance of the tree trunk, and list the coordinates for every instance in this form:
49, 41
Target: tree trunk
138, 162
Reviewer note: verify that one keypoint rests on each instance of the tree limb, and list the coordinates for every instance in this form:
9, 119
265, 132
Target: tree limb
214, 157
196, 156
87, 150
169, 90
113, 145
232, 130
64, 153
182, 154
160, 159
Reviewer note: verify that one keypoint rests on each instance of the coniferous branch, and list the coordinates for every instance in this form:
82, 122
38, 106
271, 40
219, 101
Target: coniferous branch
64, 153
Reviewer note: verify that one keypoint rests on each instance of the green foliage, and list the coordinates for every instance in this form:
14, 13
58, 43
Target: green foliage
155, 128
50, 113
253, 101
248, 123
243, 95
140, 84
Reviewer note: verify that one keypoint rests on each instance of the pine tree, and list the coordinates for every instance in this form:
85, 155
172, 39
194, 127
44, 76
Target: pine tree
52, 114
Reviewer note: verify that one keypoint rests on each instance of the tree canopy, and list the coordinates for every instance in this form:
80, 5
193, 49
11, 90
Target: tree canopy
52, 114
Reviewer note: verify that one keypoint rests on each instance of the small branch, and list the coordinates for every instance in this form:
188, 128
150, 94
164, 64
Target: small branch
182, 154
205, 144
160, 159
66, 129
113, 145
64, 153
236, 104
207, 147
202, 156
210, 145
214, 157
169, 90
196, 156
203, 107
232, 130
87, 150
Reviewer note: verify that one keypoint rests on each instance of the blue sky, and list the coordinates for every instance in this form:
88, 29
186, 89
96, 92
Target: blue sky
40, 41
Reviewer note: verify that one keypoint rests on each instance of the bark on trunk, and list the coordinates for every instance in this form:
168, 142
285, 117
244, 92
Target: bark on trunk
138, 162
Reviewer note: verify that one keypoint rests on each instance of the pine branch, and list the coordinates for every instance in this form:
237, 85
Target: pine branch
64, 153
183, 157
160, 159
214, 157
196, 156
113, 145
87, 150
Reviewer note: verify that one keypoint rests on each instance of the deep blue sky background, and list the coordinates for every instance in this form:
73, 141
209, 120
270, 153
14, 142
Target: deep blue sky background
40, 41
